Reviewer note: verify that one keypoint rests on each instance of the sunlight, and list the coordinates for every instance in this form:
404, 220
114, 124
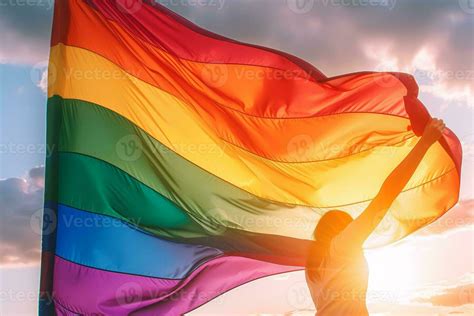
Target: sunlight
393, 273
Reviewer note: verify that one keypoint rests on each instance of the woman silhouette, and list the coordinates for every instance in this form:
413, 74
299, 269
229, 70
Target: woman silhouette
336, 271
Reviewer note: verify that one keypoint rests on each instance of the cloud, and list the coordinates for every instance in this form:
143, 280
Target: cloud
21, 201
26, 27
43, 83
456, 296
431, 40
337, 36
451, 295
459, 217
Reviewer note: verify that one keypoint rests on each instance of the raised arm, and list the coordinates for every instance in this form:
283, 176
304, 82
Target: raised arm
359, 230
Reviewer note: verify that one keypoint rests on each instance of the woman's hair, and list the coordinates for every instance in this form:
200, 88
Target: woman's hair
329, 226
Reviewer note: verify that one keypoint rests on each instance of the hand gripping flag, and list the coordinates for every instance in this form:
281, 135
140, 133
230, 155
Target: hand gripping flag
186, 164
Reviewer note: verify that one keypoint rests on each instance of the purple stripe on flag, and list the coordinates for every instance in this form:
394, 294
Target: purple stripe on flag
84, 290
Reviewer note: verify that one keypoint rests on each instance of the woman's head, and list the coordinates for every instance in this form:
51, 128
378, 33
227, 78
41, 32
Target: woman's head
331, 224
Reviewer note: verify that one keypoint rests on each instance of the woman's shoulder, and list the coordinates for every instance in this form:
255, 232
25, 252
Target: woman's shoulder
340, 247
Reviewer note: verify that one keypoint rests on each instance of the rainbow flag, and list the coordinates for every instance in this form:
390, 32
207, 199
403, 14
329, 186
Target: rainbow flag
186, 164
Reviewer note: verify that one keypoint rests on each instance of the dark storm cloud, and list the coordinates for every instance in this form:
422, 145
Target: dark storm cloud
20, 205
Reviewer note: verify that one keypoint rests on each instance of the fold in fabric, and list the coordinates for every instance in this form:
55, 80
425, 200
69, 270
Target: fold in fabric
112, 293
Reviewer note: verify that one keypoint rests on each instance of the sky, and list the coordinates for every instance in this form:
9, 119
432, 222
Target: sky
428, 273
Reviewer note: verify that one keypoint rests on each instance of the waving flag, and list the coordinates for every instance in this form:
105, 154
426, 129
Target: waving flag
186, 164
